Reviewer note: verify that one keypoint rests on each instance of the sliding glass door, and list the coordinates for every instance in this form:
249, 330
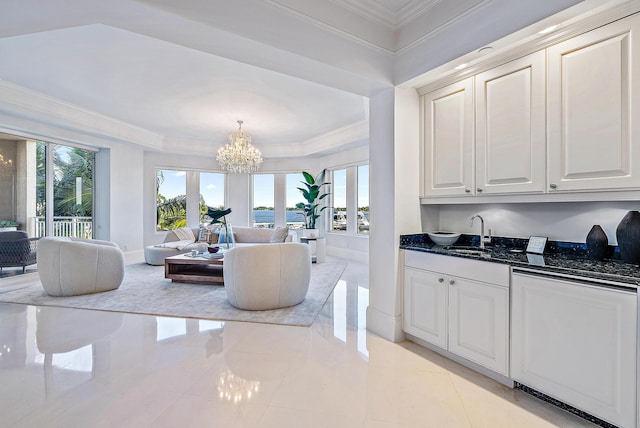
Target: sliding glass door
46, 189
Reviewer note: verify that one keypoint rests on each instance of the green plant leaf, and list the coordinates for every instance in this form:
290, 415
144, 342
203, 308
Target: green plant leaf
308, 177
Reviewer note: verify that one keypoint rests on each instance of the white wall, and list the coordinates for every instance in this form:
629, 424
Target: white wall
126, 197
559, 221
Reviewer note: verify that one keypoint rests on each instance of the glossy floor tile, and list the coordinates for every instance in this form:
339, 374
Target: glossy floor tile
78, 368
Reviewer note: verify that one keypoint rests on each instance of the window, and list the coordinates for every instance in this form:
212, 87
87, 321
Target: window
363, 199
45, 188
295, 217
211, 193
339, 200
72, 191
171, 199
263, 200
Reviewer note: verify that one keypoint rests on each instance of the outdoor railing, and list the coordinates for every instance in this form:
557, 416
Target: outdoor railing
77, 227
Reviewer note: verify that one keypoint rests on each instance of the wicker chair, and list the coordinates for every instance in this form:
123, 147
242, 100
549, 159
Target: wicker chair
17, 249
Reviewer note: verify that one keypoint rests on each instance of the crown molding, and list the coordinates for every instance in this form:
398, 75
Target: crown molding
439, 29
518, 44
375, 12
21, 102
330, 27
348, 136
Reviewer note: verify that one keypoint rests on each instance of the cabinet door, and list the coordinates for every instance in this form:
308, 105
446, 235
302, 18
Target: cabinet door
576, 343
425, 306
510, 127
479, 323
447, 165
593, 104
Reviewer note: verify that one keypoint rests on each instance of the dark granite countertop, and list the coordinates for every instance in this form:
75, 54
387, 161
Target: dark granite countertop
560, 258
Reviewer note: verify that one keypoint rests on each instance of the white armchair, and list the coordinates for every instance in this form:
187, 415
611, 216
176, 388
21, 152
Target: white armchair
270, 276
73, 266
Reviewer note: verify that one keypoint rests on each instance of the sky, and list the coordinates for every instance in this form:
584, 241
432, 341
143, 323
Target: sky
211, 186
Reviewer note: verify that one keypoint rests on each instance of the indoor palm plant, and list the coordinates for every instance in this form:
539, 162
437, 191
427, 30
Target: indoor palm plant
312, 194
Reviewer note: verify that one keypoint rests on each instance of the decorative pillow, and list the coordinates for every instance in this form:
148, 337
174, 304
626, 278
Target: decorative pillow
279, 234
184, 233
203, 234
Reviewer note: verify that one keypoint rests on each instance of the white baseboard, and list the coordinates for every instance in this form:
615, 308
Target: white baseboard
136, 256
474, 366
345, 253
384, 325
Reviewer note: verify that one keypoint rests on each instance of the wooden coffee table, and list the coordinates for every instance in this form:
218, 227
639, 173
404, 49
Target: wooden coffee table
194, 270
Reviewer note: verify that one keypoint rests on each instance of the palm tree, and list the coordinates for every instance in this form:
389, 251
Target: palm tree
171, 213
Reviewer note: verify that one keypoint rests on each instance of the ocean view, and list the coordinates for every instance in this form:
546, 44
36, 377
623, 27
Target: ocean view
267, 216
295, 216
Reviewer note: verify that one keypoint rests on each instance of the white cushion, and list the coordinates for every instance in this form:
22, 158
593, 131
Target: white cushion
279, 234
184, 234
176, 244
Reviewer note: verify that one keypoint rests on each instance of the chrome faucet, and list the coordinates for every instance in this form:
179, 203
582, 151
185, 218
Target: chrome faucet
483, 239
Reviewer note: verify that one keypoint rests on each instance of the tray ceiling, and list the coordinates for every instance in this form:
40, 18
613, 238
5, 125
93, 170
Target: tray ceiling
298, 72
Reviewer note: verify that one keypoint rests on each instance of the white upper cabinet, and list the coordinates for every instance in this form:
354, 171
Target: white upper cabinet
448, 157
510, 127
593, 96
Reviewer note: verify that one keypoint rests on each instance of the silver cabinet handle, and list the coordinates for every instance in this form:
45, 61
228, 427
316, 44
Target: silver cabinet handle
478, 190
553, 186
451, 282
440, 279
467, 190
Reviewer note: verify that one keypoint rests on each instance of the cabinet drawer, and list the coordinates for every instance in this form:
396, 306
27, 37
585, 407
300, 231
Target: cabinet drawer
493, 273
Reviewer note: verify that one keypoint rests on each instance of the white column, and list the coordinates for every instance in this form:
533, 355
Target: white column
193, 199
280, 199
352, 199
394, 203
237, 198
383, 314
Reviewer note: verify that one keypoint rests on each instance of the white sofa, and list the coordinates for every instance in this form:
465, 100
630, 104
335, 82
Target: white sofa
73, 266
172, 245
262, 277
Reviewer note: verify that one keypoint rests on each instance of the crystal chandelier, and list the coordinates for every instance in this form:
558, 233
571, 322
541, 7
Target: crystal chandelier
239, 155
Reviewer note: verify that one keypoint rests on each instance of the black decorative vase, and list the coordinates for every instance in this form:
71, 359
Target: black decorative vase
597, 243
628, 235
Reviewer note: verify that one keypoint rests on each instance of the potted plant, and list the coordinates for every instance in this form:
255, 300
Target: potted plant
8, 225
312, 209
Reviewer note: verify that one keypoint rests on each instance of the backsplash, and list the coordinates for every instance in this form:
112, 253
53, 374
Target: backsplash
558, 221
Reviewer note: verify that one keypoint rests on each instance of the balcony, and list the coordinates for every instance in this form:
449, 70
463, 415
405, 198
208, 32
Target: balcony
77, 227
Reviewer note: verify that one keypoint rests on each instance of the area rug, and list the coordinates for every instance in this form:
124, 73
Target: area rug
146, 291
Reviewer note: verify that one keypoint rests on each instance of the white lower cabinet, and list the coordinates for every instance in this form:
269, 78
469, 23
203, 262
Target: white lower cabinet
576, 342
425, 306
469, 318
479, 323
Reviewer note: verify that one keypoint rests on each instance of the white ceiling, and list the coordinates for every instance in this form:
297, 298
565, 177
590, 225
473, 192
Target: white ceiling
298, 72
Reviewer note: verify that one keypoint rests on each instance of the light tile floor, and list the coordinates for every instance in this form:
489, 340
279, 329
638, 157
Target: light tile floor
77, 368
